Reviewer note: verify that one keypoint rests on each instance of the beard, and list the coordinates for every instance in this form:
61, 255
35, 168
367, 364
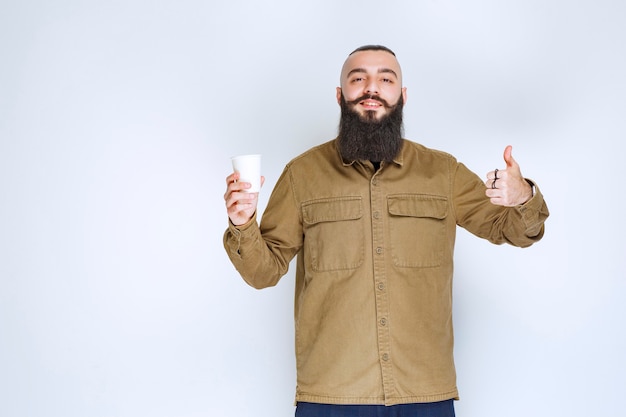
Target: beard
363, 137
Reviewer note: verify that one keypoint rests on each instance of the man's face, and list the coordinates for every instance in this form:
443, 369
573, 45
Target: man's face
371, 83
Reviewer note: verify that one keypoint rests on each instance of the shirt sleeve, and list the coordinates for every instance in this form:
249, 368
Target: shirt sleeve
261, 254
519, 226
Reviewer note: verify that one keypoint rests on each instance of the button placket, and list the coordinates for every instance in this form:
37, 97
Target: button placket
378, 202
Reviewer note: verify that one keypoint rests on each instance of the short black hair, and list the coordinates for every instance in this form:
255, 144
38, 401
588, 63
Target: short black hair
372, 48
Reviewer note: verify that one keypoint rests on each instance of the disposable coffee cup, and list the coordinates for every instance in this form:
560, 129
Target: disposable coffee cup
249, 169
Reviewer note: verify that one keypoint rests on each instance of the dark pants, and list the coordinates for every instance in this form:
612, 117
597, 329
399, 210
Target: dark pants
438, 409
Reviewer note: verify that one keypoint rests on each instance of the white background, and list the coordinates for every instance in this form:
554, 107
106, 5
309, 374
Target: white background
117, 121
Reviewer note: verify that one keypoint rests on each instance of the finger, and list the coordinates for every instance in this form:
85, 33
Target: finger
508, 157
240, 201
502, 175
236, 193
234, 185
232, 178
493, 193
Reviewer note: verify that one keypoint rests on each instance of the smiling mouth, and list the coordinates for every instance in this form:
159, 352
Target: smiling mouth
370, 104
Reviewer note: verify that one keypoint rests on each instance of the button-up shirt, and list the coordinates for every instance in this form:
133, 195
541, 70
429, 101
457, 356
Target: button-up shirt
373, 294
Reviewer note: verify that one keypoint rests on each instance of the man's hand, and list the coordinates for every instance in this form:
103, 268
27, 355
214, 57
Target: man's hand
507, 187
240, 205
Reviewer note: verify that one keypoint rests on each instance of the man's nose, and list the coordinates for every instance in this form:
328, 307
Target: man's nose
371, 87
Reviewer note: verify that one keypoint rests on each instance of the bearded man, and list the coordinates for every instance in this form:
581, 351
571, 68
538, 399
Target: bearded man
372, 219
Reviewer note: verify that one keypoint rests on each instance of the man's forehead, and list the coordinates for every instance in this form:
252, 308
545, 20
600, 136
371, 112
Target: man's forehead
378, 61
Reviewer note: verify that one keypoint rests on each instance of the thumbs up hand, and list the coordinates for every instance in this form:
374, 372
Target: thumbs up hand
507, 187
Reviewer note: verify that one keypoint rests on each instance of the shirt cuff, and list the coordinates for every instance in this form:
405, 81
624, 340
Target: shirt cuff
530, 210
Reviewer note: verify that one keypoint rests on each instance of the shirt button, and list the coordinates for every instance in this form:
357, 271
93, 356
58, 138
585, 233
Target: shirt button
379, 250
383, 321
374, 181
381, 286
377, 215
385, 357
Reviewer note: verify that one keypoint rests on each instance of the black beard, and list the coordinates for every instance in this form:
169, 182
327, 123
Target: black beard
365, 137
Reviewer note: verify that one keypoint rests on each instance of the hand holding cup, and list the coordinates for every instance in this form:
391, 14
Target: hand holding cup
243, 187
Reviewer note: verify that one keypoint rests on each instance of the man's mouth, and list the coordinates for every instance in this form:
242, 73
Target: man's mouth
371, 104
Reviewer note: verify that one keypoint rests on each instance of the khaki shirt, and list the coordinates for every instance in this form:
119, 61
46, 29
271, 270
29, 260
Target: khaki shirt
373, 299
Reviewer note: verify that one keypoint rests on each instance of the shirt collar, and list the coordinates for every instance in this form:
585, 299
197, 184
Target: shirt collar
398, 160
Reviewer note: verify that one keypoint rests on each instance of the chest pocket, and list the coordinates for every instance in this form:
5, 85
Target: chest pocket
417, 229
333, 233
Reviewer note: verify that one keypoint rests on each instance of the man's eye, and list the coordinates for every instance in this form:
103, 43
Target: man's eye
387, 80
357, 79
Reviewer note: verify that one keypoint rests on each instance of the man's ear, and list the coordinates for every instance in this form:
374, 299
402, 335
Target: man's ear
339, 95
404, 96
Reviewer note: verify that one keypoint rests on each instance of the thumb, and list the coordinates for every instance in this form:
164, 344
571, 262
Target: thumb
508, 157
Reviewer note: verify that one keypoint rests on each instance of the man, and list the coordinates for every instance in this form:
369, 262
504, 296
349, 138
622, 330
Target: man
372, 218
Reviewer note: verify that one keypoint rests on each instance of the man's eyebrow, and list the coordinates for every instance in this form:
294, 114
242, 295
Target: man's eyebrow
380, 71
387, 70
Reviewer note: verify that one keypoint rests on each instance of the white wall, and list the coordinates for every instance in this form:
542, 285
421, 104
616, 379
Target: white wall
117, 121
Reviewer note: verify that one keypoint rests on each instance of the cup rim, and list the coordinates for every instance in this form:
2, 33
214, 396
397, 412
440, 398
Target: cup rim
250, 155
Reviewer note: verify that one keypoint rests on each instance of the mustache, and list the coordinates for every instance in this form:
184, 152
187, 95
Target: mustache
369, 97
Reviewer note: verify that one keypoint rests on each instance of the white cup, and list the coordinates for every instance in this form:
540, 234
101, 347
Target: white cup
249, 169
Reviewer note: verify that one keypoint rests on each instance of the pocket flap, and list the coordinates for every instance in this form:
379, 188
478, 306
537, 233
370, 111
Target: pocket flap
418, 205
332, 210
